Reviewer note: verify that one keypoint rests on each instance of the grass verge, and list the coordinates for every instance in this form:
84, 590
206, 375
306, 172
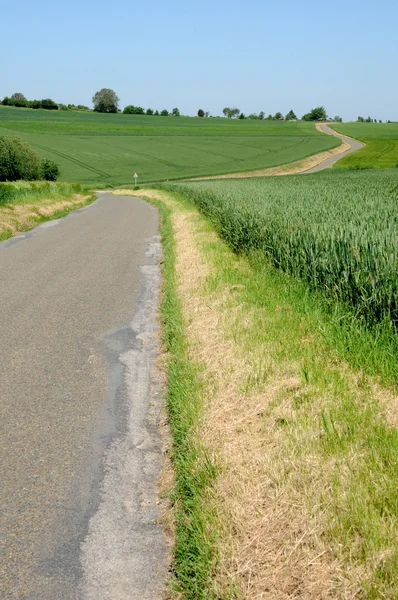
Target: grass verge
194, 471
24, 205
302, 503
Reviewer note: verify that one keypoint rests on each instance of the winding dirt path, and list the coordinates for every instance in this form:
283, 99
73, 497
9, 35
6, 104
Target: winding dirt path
316, 162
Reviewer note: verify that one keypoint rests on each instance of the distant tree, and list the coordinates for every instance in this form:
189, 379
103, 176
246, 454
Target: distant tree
207, 114
133, 110
261, 115
19, 99
49, 104
278, 116
18, 96
231, 113
252, 116
242, 116
270, 118
175, 112
164, 113
149, 111
338, 119
201, 113
380, 121
6, 101
156, 113
316, 114
360, 120
291, 116
105, 101
35, 104
368, 120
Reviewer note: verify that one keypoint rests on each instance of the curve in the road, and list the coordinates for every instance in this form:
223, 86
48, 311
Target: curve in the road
316, 162
354, 146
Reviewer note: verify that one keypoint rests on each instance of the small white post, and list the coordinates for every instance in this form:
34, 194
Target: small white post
135, 178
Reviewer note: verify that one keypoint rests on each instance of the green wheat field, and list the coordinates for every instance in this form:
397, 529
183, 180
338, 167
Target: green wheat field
107, 149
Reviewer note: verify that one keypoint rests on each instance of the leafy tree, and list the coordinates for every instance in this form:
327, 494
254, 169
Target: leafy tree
291, 116
18, 160
201, 113
270, 118
368, 120
278, 116
338, 119
49, 170
49, 104
35, 104
18, 96
360, 120
261, 115
6, 101
149, 111
316, 114
164, 113
19, 99
105, 101
207, 114
156, 113
252, 116
242, 116
133, 110
175, 112
231, 113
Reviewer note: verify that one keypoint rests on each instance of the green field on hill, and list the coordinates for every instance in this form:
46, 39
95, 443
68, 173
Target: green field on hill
106, 149
381, 145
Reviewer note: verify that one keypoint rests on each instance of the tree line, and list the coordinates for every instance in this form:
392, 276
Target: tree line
107, 101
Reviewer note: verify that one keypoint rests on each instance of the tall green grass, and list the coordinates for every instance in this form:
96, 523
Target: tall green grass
337, 231
22, 192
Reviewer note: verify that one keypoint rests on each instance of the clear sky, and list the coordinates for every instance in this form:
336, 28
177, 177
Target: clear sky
253, 54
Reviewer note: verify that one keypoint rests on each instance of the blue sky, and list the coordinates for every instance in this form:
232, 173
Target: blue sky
254, 55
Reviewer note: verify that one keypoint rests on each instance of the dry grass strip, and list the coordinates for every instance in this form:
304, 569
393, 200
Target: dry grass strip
16, 218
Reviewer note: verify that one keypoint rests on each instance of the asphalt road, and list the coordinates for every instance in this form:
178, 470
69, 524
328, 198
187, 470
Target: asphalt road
330, 161
79, 407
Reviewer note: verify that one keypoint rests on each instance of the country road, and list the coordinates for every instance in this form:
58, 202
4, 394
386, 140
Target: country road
80, 400
355, 145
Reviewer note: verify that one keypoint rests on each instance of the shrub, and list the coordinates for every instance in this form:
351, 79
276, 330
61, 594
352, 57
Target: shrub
18, 160
49, 104
201, 113
49, 170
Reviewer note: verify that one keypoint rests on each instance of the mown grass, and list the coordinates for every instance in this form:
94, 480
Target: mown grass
381, 145
194, 556
24, 204
106, 150
326, 454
